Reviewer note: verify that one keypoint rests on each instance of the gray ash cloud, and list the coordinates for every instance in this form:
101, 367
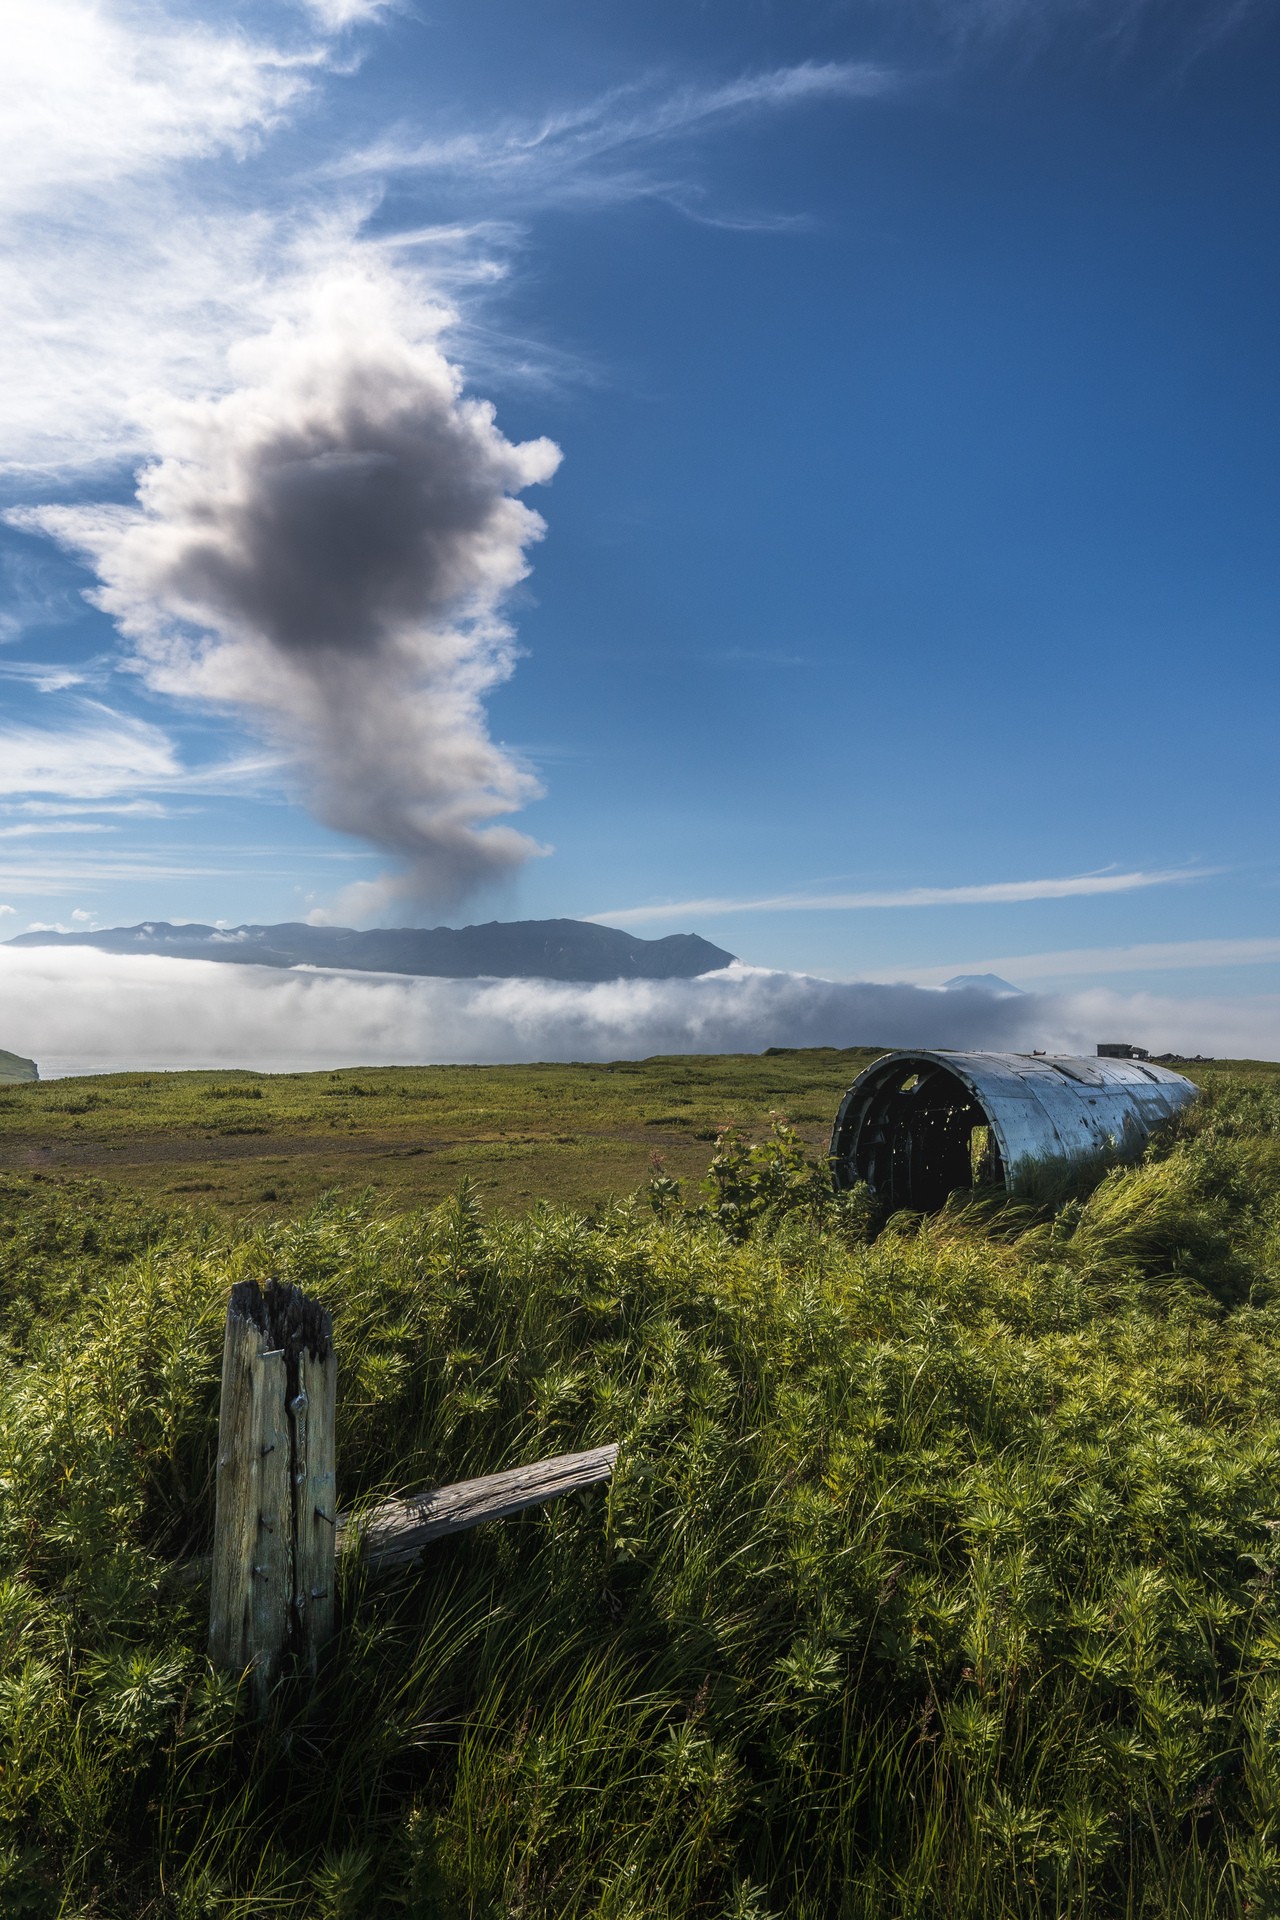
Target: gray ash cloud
326, 550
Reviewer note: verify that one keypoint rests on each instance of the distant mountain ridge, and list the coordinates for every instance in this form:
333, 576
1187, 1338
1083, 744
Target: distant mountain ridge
505, 949
14, 1070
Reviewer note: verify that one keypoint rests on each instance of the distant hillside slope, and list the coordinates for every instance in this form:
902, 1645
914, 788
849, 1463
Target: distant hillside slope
13, 1068
510, 949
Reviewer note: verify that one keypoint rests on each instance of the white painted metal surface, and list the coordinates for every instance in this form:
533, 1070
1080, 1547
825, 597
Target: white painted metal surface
913, 1110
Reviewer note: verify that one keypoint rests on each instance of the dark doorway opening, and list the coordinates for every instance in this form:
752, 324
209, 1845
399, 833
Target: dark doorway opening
918, 1136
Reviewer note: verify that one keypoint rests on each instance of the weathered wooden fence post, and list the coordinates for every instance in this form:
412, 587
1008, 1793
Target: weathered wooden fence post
274, 1541
277, 1532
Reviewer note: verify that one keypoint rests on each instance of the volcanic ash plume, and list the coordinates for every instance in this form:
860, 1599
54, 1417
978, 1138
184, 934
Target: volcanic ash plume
327, 549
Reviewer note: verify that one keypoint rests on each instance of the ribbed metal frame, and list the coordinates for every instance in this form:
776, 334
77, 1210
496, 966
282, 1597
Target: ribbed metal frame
1043, 1109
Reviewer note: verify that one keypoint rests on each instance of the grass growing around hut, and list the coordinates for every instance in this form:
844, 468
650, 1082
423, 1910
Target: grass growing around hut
939, 1575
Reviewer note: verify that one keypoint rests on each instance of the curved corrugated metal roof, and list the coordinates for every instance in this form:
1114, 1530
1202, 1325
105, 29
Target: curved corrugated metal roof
909, 1123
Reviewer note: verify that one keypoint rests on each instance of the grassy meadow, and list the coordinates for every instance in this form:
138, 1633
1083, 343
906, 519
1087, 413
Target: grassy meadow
939, 1575
569, 1133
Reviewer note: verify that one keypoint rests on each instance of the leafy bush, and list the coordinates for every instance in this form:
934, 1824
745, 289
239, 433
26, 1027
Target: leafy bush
938, 1576
753, 1186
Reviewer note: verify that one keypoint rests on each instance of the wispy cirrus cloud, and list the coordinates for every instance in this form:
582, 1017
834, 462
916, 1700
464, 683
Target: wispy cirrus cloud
39, 879
618, 146
106, 753
1151, 956
989, 893
336, 15
34, 591
1184, 33
33, 828
45, 679
56, 809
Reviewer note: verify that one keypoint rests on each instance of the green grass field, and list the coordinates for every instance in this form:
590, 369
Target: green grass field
940, 1574
576, 1134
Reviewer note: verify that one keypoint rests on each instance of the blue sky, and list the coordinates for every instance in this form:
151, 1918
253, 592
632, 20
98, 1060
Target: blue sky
910, 567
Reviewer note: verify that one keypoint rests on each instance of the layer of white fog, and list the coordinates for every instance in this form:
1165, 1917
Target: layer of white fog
78, 1011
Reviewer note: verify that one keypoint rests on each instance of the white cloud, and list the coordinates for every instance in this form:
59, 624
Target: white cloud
95, 95
116, 313
33, 828
603, 150
45, 679
57, 809
5, 909
34, 589
41, 878
335, 15
989, 893
75, 1010
120, 281
89, 761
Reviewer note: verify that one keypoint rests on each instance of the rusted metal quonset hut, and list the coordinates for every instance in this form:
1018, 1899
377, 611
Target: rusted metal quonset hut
918, 1126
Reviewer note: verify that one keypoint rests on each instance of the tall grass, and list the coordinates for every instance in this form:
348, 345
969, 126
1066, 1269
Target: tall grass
938, 1575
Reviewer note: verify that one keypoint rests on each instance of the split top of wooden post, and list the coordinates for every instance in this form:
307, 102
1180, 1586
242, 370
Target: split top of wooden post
288, 1321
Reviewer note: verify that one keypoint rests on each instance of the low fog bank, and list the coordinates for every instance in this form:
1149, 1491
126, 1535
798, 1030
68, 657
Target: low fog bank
80, 1011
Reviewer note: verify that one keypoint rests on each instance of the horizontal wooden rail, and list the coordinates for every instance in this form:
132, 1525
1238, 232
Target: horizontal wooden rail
277, 1533
395, 1532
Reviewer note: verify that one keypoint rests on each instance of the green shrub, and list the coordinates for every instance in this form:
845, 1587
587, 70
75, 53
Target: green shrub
938, 1576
